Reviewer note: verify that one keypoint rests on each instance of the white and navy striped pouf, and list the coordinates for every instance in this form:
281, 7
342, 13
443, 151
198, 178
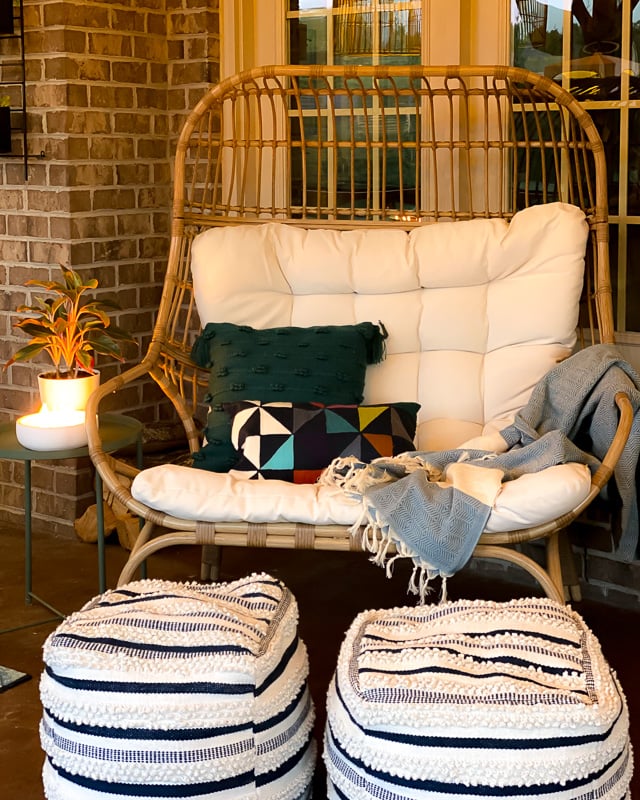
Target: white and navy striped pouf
473, 700
166, 690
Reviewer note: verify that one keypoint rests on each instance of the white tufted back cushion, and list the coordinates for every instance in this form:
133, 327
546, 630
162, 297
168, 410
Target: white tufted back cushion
477, 311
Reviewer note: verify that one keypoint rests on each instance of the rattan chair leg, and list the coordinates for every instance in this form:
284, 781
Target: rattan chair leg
210, 562
570, 576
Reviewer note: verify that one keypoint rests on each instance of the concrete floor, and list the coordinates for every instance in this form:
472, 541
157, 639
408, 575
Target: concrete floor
331, 588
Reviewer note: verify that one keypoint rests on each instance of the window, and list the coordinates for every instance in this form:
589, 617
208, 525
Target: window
355, 31
592, 48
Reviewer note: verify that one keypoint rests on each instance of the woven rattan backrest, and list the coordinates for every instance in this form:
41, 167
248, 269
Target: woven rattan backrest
343, 147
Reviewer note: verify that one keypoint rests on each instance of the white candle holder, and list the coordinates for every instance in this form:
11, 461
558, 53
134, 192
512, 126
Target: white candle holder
52, 430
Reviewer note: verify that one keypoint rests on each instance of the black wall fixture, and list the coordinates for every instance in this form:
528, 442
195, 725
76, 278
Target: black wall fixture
6, 16
5, 129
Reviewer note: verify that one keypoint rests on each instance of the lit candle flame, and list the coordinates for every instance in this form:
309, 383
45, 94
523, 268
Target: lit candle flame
53, 419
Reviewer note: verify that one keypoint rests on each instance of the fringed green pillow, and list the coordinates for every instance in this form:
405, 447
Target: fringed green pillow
324, 364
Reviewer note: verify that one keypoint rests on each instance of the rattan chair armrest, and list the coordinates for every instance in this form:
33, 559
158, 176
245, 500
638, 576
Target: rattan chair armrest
618, 443
106, 465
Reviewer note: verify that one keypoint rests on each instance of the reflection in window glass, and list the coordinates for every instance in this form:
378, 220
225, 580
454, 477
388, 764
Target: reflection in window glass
360, 31
356, 32
608, 124
308, 40
632, 294
633, 177
309, 5
592, 48
594, 29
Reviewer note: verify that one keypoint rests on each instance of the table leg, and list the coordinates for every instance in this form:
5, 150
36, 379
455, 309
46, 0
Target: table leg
27, 532
102, 572
29, 596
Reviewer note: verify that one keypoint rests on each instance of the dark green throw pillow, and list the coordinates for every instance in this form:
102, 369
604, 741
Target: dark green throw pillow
324, 364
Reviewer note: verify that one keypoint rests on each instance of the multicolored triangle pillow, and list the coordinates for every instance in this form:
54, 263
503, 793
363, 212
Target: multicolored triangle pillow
295, 441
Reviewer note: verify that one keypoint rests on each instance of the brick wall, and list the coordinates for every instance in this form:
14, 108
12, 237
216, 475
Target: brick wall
108, 86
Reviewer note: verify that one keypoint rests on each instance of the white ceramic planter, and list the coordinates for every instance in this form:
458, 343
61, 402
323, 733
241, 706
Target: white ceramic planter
67, 394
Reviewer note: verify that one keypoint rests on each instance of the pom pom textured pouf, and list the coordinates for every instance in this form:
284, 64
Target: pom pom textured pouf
167, 690
475, 699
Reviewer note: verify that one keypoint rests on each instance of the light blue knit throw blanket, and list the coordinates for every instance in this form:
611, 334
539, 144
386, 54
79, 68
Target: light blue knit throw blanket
571, 416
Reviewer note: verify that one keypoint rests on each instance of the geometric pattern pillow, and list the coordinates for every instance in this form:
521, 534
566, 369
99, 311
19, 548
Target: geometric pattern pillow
295, 441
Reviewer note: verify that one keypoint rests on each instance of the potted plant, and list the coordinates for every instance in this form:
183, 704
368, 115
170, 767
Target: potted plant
70, 328
5, 123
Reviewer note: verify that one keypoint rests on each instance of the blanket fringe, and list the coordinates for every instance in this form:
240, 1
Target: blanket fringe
377, 540
375, 536
355, 476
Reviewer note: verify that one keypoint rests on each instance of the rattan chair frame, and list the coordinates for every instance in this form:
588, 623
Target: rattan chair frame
462, 142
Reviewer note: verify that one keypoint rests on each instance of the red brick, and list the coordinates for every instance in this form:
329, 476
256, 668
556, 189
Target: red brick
114, 198
152, 149
124, 20
80, 253
79, 200
118, 97
59, 68
15, 250
91, 175
157, 24
48, 252
16, 226
60, 227
158, 73
176, 50
93, 69
114, 250
127, 174
151, 98
129, 274
130, 72
146, 48
154, 197
186, 73
43, 200
111, 148
77, 148
131, 123
12, 200
93, 227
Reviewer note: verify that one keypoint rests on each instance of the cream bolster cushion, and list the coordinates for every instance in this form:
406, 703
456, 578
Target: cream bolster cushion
194, 494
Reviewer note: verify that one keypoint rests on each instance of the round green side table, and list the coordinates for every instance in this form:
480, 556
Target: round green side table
117, 431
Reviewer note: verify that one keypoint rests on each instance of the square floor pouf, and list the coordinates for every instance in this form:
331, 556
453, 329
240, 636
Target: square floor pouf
166, 690
475, 699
